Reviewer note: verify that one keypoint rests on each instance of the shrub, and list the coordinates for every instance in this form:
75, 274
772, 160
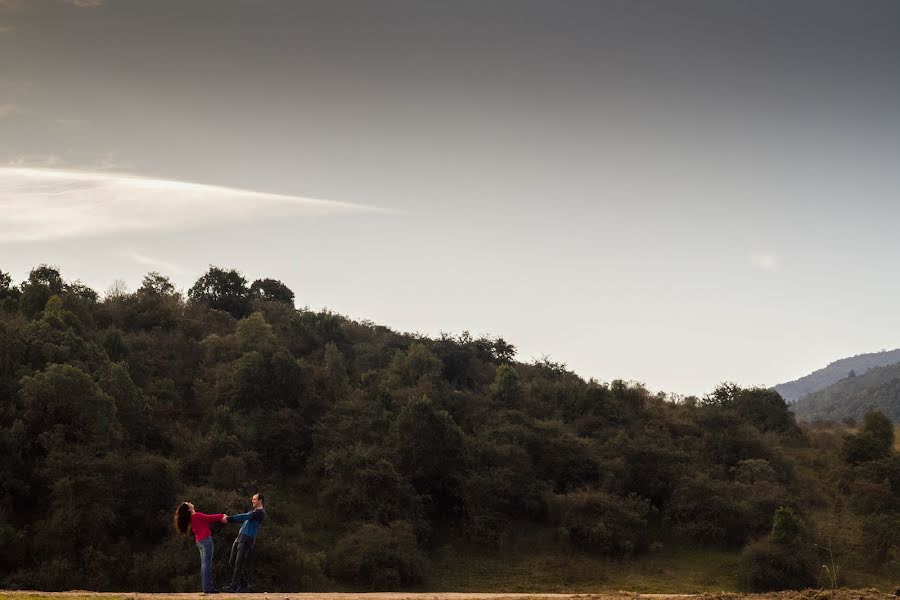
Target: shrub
605, 523
784, 560
768, 566
378, 557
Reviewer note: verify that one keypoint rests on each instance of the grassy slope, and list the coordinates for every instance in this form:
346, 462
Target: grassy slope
550, 570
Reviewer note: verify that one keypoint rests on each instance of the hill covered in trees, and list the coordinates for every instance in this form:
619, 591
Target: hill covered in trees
792, 391
851, 397
378, 451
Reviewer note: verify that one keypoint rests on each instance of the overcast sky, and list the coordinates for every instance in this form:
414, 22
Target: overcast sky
678, 193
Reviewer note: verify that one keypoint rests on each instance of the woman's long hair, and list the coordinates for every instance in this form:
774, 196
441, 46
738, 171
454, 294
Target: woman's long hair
183, 518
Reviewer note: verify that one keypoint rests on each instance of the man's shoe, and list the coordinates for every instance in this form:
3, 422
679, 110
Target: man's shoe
227, 590
244, 589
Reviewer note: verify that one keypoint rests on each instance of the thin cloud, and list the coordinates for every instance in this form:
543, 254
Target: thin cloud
35, 161
154, 263
8, 110
6, 28
52, 204
85, 3
766, 261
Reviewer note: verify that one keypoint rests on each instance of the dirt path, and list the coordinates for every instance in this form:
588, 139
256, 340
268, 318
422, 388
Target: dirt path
843, 594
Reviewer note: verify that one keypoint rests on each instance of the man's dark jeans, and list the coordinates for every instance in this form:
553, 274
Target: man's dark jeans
240, 550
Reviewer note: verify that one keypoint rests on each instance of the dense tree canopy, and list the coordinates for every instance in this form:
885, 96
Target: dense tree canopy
373, 446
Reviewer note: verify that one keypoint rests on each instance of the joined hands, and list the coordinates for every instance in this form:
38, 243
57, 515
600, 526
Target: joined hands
224, 518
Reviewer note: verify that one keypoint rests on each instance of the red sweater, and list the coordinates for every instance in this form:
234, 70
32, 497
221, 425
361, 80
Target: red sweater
200, 524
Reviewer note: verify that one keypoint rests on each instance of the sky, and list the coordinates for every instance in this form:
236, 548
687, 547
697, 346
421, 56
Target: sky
676, 193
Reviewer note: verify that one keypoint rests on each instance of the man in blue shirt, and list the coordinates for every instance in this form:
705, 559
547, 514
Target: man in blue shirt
244, 541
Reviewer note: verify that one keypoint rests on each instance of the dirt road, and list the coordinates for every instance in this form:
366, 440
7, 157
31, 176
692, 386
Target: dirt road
842, 594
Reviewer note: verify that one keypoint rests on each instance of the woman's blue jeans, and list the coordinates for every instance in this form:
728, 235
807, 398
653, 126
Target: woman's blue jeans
206, 557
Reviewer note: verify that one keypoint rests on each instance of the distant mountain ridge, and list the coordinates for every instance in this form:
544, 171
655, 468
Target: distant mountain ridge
792, 391
877, 389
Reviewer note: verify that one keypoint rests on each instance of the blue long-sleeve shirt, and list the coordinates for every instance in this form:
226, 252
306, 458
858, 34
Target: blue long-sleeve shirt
252, 521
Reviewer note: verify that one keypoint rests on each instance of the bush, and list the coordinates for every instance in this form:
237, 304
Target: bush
378, 557
768, 566
707, 510
881, 536
604, 523
785, 560
279, 562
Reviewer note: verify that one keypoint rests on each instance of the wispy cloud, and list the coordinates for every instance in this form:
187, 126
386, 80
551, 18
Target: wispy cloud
34, 161
6, 28
50, 204
8, 110
154, 263
767, 261
85, 3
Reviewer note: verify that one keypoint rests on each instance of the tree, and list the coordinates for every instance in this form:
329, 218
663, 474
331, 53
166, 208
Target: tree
362, 483
271, 290
9, 294
506, 387
784, 560
765, 409
154, 284
224, 290
881, 428
254, 333
43, 282
430, 446
875, 439
56, 420
604, 523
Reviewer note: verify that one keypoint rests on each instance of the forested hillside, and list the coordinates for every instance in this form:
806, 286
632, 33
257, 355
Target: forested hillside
792, 391
852, 397
377, 449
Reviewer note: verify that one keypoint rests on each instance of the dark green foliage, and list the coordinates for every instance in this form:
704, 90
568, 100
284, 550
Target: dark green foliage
224, 290
881, 536
788, 529
506, 387
768, 566
378, 557
429, 447
43, 282
707, 510
383, 445
786, 559
64, 406
501, 488
362, 483
875, 440
604, 523
9, 294
271, 290
155, 305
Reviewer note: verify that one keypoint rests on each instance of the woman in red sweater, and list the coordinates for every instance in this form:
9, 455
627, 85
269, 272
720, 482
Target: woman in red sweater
199, 525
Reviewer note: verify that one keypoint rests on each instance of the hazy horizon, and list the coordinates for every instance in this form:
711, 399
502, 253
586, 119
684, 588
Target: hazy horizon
677, 194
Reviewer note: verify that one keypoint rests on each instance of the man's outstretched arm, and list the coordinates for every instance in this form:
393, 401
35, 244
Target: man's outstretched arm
254, 515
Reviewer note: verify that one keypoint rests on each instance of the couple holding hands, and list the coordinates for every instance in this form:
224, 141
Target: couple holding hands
188, 519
